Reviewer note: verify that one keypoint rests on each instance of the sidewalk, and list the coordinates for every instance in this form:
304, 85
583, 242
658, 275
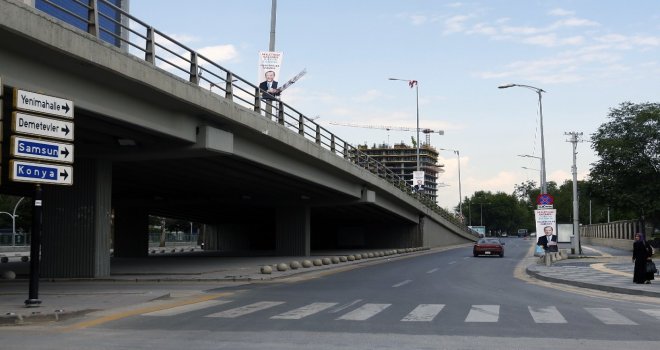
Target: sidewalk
182, 278
165, 279
601, 268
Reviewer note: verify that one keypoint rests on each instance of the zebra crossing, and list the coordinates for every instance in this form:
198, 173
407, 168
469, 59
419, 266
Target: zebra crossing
362, 311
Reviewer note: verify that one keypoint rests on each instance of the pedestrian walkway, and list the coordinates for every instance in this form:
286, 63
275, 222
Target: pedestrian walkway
365, 311
602, 268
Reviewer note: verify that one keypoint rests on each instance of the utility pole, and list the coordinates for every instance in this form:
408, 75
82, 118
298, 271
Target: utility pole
575, 137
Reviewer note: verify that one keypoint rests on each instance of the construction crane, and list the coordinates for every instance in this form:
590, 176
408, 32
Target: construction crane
426, 131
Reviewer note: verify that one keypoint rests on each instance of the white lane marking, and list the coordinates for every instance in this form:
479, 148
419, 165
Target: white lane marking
401, 284
548, 314
342, 307
609, 316
186, 308
452, 262
483, 313
432, 270
652, 312
364, 312
304, 311
424, 313
247, 309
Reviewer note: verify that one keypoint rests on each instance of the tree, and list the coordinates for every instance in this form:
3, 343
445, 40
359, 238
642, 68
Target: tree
627, 175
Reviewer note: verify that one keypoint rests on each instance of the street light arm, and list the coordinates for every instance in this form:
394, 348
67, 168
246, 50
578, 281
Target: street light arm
506, 86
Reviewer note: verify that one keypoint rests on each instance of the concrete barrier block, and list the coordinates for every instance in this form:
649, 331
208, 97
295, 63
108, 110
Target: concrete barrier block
351, 258
307, 264
370, 255
326, 261
335, 260
8, 275
294, 265
266, 270
358, 256
317, 262
547, 259
282, 267
343, 259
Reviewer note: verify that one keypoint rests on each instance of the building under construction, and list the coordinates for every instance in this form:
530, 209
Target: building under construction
402, 160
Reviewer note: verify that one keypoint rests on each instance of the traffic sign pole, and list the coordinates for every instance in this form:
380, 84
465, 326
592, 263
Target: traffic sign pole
35, 248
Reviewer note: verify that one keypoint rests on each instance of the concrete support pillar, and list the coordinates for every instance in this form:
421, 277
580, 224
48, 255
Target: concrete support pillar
293, 231
210, 237
131, 232
76, 223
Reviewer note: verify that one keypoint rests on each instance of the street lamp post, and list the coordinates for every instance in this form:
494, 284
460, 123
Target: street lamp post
544, 188
416, 85
13, 221
460, 194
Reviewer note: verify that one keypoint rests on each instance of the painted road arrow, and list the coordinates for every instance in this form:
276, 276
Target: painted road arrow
24, 147
44, 104
29, 124
45, 173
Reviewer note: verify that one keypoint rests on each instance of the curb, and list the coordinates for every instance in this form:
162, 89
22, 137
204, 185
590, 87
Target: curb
37, 317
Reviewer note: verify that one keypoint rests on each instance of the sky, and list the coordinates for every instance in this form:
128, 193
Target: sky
588, 55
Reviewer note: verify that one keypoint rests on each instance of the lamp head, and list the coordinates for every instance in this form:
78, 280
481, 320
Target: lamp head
506, 86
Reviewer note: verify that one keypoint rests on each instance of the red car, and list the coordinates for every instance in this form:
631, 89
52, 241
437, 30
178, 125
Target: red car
488, 246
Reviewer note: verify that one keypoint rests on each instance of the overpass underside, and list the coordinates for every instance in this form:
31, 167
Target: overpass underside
150, 143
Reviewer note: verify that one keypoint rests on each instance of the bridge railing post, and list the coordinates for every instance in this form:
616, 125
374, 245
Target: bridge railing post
318, 134
280, 113
150, 48
229, 86
332, 143
257, 100
93, 19
301, 125
194, 68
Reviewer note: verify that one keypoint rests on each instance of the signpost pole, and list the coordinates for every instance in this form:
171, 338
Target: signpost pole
35, 248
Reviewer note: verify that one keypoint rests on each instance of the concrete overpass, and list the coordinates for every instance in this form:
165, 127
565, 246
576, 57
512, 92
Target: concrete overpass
161, 130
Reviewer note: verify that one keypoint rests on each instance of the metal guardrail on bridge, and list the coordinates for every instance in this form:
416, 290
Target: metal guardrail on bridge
104, 20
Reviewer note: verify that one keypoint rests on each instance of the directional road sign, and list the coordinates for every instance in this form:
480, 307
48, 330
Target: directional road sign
53, 174
30, 124
24, 147
43, 104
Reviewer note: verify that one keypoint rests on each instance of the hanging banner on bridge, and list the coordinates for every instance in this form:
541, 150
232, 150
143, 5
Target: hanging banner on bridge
418, 181
268, 71
34, 172
43, 104
24, 147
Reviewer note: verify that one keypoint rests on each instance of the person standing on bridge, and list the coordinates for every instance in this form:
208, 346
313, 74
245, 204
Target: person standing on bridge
268, 87
641, 256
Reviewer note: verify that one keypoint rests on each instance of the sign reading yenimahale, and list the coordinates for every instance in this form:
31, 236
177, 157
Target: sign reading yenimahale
44, 104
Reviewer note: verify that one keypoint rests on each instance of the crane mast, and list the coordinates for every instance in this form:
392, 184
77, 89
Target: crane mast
426, 131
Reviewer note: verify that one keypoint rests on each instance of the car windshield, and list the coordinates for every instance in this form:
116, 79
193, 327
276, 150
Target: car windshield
489, 241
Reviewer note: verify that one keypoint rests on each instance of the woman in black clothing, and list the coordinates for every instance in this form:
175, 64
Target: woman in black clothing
640, 257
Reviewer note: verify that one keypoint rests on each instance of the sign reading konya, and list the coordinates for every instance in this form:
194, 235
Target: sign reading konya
53, 174
43, 104
23, 123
